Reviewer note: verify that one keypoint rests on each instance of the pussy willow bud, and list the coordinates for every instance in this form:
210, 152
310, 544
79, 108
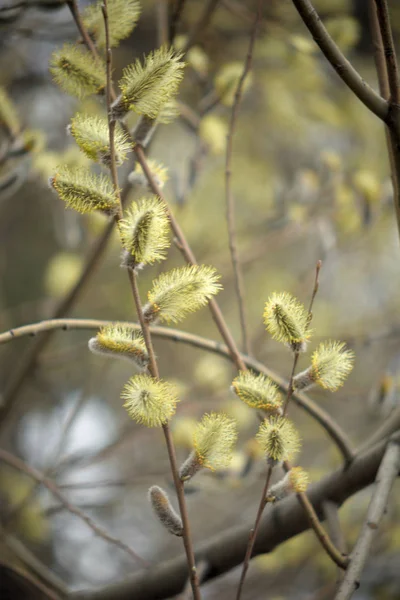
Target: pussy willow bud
331, 363
122, 17
213, 440
83, 191
164, 511
278, 438
9, 119
93, 138
287, 321
144, 233
147, 88
121, 341
258, 391
149, 401
77, 72
179, 292
139, 180
295, 481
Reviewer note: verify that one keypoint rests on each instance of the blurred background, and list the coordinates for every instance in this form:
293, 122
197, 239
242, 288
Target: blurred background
310, 180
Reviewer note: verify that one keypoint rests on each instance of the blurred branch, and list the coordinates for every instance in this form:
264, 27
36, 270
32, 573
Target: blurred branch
388, 77
230, 204
201, 24
382, 12
339, 62
225, 550
19, 581
388, 471
331, 514
27, 363
389, 426
33, 563
21, 466
323, 418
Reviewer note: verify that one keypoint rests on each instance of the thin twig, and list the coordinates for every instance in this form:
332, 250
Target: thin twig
331, 514
389, 50
337, 435
253, 532
202, 569
33, 563
339, 62
153, 367
338, 558
388, 471
73, 7
230, 204
387, 70
38, 476
162, 22
27, 579
290, 390
175, 17
200, 25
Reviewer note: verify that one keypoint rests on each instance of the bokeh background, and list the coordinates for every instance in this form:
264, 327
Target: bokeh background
310, 181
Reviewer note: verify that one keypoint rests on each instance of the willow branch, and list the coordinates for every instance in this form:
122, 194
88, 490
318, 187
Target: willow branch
230, 204
339, 62
38, 476
388, 471
201, 24
332, 428
387, 70
153, 367
33, 563
254, 532
225, 550
382, 12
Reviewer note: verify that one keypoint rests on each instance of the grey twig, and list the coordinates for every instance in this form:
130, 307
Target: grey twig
20, 465
230, 204
387, 473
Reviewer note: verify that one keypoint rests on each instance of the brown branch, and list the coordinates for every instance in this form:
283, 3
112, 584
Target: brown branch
230, 204
382, 12
380, 25
388, 471
26, 580
33, 563
331, 515
254, 532
337, 435
39, 477
175, 17
202, 23
73, 7
153, 368
225, 550
339, 62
